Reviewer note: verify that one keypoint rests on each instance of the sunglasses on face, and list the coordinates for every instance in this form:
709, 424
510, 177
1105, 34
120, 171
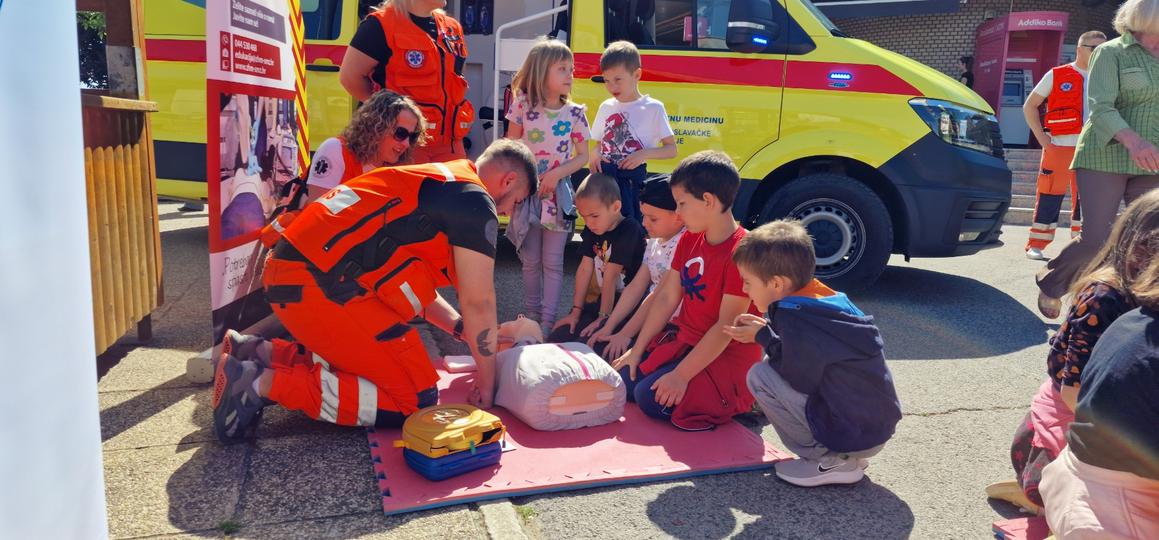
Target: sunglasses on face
401, 134
1091, 47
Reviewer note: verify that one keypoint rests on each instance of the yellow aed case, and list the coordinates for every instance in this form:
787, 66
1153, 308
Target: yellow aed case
440, 430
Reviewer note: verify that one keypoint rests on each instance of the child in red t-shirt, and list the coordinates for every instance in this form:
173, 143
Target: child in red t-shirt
690, 372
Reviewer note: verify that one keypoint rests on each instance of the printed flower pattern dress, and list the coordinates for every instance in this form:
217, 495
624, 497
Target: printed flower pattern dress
553, 136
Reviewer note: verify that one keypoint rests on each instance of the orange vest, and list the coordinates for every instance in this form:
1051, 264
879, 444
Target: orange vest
1064, 105
423, 69
366, 231
272, 232
351, 166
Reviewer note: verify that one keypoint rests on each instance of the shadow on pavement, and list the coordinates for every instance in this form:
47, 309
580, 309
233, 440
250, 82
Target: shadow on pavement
299, 478
926, 315
770, 508
169, 216
123, 416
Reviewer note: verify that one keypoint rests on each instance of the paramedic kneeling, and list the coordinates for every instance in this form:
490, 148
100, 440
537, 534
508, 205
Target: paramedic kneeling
353, 268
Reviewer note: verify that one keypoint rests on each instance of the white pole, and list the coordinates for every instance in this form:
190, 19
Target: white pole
50, 438
498, 42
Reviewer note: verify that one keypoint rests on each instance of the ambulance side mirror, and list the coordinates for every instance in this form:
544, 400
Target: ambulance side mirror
750, 26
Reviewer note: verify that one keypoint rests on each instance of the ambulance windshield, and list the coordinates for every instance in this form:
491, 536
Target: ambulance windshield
828, 24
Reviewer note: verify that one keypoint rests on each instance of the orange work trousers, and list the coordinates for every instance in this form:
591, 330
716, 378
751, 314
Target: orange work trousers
1054, 178
354, 364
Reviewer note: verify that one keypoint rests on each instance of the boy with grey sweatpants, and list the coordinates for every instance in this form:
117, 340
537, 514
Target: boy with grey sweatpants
825, 386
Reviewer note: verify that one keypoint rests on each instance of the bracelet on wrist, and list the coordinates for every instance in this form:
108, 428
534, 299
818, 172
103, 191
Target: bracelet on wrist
577, 308
457, 332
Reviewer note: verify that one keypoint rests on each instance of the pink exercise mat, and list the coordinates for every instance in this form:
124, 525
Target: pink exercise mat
633, 450
1027, 528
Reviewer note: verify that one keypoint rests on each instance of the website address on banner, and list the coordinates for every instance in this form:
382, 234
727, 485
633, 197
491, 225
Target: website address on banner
252, 59
255, 70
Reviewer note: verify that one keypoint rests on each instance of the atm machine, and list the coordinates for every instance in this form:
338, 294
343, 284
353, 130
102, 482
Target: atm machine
1010, 53
1016, 87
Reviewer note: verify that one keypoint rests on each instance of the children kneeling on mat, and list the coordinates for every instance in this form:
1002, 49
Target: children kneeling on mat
685, 370
825, 386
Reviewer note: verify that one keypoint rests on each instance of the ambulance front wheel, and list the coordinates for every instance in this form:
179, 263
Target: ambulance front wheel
850, 225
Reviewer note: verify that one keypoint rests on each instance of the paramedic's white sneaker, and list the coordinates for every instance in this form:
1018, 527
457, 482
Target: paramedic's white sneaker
809, 473
1035, 254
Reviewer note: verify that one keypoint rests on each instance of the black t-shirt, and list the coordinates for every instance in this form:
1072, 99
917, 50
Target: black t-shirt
1116, 422
371, 40
967, 77
463, 211
623, 245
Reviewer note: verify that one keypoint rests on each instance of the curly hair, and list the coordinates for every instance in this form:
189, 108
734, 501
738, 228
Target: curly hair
1127, 259
376, 119
1137, 16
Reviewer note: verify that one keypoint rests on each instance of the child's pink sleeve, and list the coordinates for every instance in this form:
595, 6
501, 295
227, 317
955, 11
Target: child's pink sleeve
581, 131
517, 108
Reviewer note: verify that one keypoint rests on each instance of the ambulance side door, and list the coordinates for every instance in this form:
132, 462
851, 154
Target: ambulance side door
715, 98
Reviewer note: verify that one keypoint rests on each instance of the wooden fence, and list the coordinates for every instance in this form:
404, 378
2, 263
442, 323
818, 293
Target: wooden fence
124, 236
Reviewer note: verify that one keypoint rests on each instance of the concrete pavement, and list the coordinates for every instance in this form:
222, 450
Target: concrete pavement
966, 348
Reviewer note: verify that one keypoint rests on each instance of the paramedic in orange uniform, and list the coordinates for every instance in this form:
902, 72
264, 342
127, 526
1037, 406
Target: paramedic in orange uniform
348, 275
1064, 91
415, 49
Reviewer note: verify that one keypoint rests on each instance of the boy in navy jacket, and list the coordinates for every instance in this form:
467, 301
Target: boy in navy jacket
825, 387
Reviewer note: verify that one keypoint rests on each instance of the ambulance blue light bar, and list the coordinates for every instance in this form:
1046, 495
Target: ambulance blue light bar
841, 76
760, 40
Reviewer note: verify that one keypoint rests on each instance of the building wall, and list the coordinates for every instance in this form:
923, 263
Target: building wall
939, 40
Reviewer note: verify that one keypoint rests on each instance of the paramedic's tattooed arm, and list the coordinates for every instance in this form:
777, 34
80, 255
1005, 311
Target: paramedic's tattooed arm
476, 290
481, 343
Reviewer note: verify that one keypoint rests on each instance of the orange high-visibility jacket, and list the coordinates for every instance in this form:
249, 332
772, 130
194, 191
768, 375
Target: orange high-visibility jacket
272, 232
423, 69
365, 231
1064, 105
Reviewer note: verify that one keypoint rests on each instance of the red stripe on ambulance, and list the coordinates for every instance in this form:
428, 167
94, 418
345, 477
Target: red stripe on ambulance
801, 74
193, 50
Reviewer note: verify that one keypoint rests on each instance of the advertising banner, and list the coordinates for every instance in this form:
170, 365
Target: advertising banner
250, 98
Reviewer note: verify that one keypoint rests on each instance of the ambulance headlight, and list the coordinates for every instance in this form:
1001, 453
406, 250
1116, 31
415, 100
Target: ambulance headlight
960, 126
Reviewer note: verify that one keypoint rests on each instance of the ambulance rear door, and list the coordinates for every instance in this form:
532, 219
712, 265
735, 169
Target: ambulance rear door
716, 98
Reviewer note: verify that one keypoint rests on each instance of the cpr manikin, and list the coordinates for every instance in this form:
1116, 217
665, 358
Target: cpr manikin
555, 386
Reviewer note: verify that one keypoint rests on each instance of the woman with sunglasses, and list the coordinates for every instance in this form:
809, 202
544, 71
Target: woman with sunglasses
383, 133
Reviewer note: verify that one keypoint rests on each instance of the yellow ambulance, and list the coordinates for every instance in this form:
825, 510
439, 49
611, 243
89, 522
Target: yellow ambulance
874, 152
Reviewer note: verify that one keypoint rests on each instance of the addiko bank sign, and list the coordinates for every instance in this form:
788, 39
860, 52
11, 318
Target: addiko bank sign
1038, 20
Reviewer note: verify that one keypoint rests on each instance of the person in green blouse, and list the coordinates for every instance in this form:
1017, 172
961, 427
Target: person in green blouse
1117, 157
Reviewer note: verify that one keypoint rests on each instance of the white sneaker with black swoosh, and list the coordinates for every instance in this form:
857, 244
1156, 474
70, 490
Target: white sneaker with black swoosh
809, 473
